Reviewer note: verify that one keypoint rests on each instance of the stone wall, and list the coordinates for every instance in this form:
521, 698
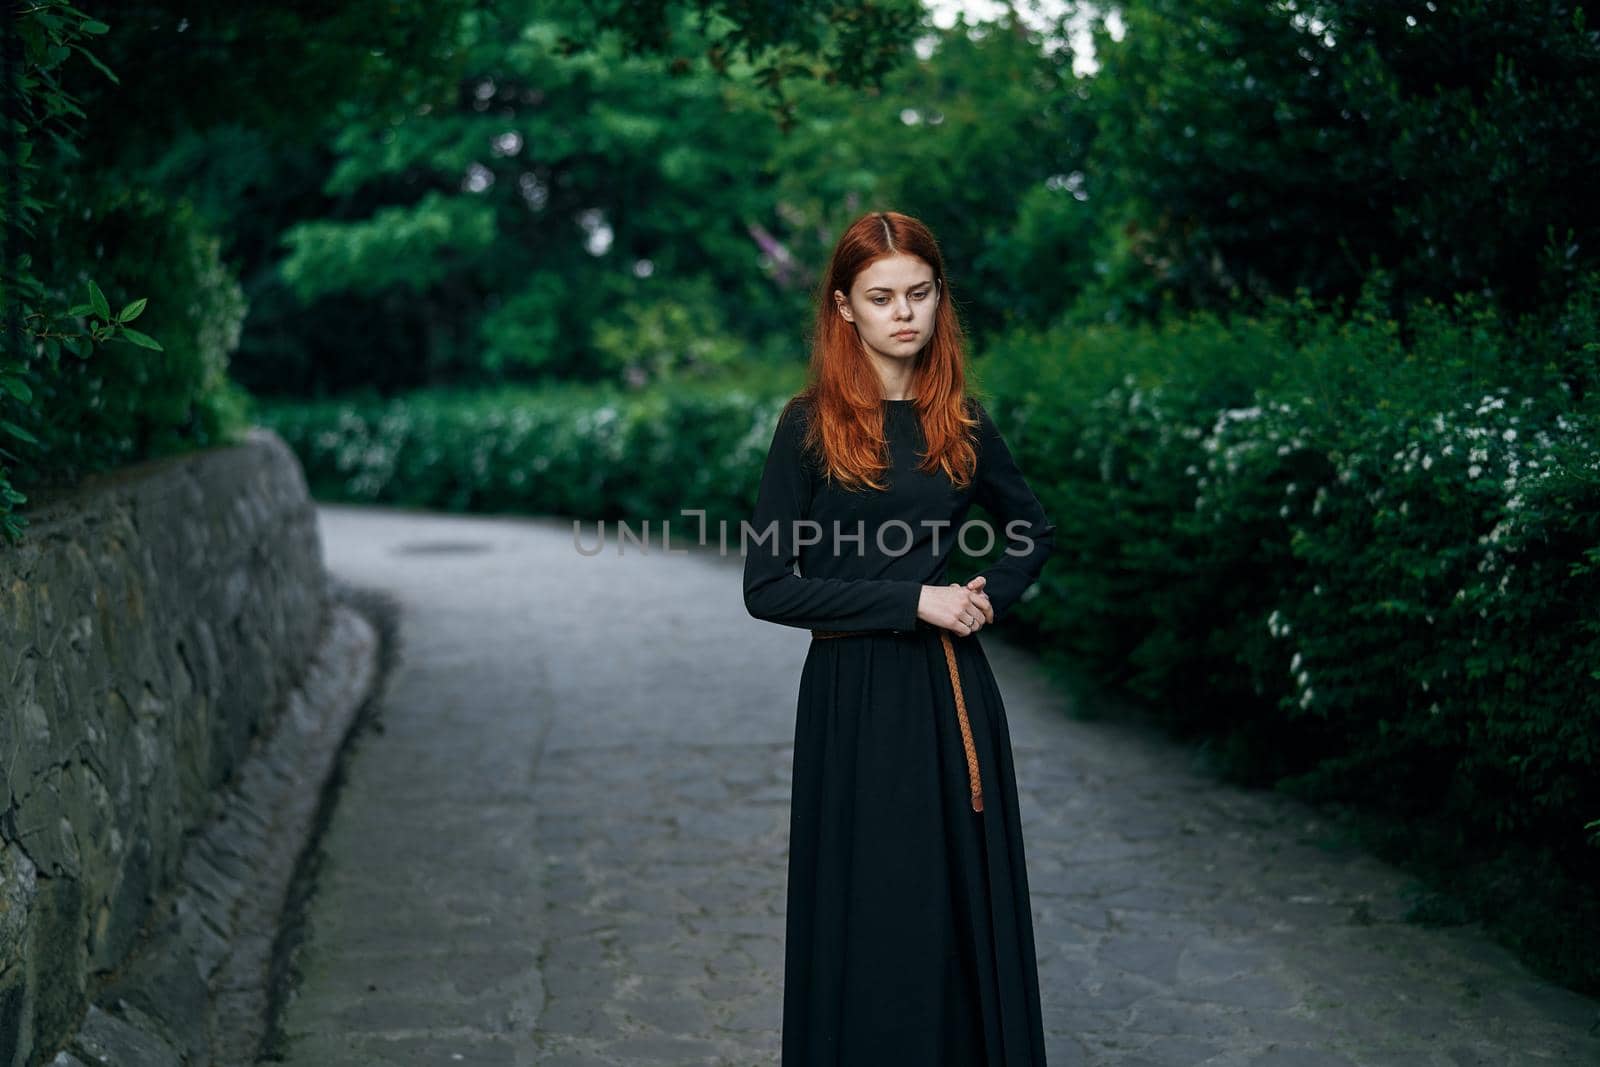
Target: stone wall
150, 625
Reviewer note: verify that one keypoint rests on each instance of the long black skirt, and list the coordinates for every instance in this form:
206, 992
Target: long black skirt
909, 935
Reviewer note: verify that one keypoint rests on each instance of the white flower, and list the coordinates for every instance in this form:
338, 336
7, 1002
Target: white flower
1427, 461
1294, 664
1509, 435
1474, 470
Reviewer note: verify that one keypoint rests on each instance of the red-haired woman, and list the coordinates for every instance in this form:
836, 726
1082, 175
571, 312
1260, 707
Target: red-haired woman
909, 936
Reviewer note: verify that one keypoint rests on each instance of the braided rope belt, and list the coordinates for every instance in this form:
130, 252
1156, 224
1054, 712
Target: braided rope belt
961, 707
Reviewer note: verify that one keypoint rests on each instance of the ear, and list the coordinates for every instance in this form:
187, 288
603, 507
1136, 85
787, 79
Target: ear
843, 305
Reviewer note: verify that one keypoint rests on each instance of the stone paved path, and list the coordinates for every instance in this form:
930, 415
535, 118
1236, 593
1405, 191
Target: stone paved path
566, 847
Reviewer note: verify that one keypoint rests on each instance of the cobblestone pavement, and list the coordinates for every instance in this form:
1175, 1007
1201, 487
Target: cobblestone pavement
566, 847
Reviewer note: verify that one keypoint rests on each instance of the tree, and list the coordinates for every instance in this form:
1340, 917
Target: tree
1251, 148
984, 137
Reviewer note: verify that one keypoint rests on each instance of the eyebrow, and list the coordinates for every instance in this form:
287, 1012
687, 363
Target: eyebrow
886, 289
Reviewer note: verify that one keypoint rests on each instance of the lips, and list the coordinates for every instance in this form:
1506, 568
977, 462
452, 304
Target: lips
905, 335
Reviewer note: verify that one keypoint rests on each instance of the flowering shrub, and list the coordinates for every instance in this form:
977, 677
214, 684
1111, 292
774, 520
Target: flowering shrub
1360, 567
1429, 607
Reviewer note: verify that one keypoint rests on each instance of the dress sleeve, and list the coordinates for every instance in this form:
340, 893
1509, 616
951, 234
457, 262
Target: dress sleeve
773, 592
1023, 526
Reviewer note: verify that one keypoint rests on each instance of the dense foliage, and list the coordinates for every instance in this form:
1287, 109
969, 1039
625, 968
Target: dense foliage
1251, 148
44, 340
600, 218
283, 190
1359, 569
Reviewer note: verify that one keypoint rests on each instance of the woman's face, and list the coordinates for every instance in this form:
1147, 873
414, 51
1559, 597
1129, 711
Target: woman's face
891, 303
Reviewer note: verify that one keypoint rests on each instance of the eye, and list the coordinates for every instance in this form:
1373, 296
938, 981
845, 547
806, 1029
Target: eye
923, 295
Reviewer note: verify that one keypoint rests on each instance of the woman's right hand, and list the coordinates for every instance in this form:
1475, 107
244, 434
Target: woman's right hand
953, 607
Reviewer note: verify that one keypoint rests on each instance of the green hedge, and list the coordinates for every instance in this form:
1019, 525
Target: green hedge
1358, 567
579, 451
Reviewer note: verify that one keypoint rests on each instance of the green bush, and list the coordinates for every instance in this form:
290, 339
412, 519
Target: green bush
1360, 567
583, 451
124, 401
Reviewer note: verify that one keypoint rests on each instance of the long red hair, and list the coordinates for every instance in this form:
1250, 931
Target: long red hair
843, 394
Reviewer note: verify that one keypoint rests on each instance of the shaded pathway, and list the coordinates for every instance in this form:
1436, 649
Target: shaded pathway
566, 847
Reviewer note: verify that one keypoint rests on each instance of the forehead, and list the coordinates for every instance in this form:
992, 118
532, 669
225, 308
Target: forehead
899, 271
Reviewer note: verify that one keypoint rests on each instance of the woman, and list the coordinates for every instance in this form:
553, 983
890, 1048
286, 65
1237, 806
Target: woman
909, 937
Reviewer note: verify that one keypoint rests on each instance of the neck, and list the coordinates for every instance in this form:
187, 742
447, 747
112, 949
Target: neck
895, 386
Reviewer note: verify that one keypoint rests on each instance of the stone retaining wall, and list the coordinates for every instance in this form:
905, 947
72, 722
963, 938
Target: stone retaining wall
150, 626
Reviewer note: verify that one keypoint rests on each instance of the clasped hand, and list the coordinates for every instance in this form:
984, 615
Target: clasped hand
963, 609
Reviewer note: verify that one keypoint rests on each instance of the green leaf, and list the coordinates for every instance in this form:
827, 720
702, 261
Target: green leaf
80, 309
98, 299
94, 26
18, 432
99, 65
17, 388
143, 340
131, 312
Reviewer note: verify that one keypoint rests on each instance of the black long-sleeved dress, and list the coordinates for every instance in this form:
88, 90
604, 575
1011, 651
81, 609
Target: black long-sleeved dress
909, 933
